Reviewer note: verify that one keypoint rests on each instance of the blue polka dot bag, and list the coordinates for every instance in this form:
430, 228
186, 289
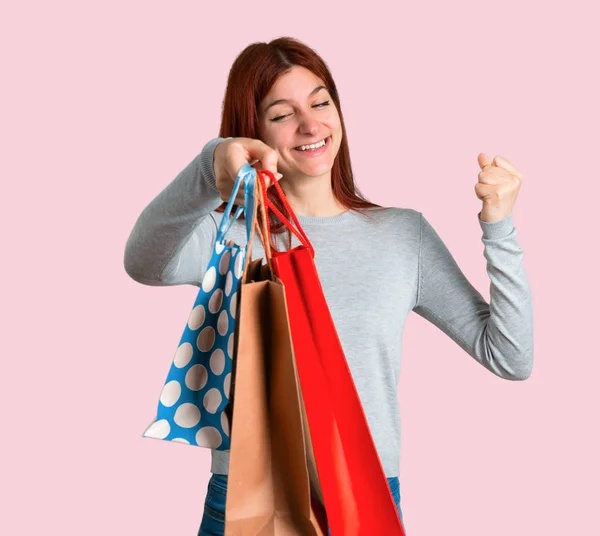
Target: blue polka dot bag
193, 405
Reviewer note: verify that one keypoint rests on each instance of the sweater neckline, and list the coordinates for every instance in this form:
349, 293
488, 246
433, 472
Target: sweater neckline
324, 220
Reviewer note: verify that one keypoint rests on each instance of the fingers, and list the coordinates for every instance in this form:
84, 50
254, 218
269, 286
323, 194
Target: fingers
267, 179
263, 156
234, 155
505, 164
499, 162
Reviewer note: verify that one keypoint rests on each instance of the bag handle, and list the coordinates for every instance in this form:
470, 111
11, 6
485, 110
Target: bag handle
244, 175
254, 197
300, 234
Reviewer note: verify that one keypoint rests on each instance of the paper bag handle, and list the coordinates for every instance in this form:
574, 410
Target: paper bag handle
300, 231
255, 191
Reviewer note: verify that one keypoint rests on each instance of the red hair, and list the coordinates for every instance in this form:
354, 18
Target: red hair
252, 75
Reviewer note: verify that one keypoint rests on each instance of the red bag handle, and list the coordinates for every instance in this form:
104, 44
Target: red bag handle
269, 205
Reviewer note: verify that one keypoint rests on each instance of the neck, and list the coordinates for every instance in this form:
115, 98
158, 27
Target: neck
312, 196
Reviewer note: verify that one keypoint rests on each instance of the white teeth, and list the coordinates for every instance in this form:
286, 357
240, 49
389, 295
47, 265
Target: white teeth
313, 146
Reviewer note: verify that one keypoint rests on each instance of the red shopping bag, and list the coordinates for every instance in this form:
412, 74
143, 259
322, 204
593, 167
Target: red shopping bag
354, 486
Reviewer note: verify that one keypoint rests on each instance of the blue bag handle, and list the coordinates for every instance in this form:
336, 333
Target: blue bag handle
247, 174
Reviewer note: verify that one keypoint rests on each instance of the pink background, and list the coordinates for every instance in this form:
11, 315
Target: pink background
104, 103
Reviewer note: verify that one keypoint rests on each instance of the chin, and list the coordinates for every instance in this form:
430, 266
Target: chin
315, 170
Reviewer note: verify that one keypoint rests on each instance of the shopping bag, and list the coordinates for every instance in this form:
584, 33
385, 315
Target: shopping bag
354, 485
194, 407
311, 464
268, 488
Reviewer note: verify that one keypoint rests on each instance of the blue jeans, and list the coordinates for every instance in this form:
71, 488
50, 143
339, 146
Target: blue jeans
213, 520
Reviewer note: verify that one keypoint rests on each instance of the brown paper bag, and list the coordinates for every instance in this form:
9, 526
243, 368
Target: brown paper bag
268, 488
311, 463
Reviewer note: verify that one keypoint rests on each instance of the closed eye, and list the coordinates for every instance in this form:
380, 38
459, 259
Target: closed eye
320, 105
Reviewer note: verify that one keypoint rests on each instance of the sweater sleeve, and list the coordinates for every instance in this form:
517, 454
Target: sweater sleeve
498, 335
172, 239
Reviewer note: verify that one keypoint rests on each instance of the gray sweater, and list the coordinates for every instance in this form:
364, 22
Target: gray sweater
374, 271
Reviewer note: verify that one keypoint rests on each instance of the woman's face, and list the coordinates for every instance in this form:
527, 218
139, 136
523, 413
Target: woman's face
308, 116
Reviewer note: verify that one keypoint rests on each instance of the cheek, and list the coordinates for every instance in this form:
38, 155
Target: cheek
336, 125
284, 145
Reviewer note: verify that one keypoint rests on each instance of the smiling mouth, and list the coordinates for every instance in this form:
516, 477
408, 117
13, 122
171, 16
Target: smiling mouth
327, 139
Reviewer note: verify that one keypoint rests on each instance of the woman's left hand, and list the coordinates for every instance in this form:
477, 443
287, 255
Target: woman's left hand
498, 187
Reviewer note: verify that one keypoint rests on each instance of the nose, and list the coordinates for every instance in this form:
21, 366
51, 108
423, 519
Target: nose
308, 125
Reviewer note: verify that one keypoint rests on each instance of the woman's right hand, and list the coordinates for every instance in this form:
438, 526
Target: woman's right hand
231, 154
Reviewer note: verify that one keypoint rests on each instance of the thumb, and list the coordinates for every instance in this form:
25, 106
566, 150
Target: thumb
267, 159
483, 160
267, 178
269, 162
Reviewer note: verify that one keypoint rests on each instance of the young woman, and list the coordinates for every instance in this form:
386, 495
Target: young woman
282, 112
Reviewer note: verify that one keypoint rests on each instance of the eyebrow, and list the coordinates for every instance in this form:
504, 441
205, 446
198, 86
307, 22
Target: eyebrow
280, 101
